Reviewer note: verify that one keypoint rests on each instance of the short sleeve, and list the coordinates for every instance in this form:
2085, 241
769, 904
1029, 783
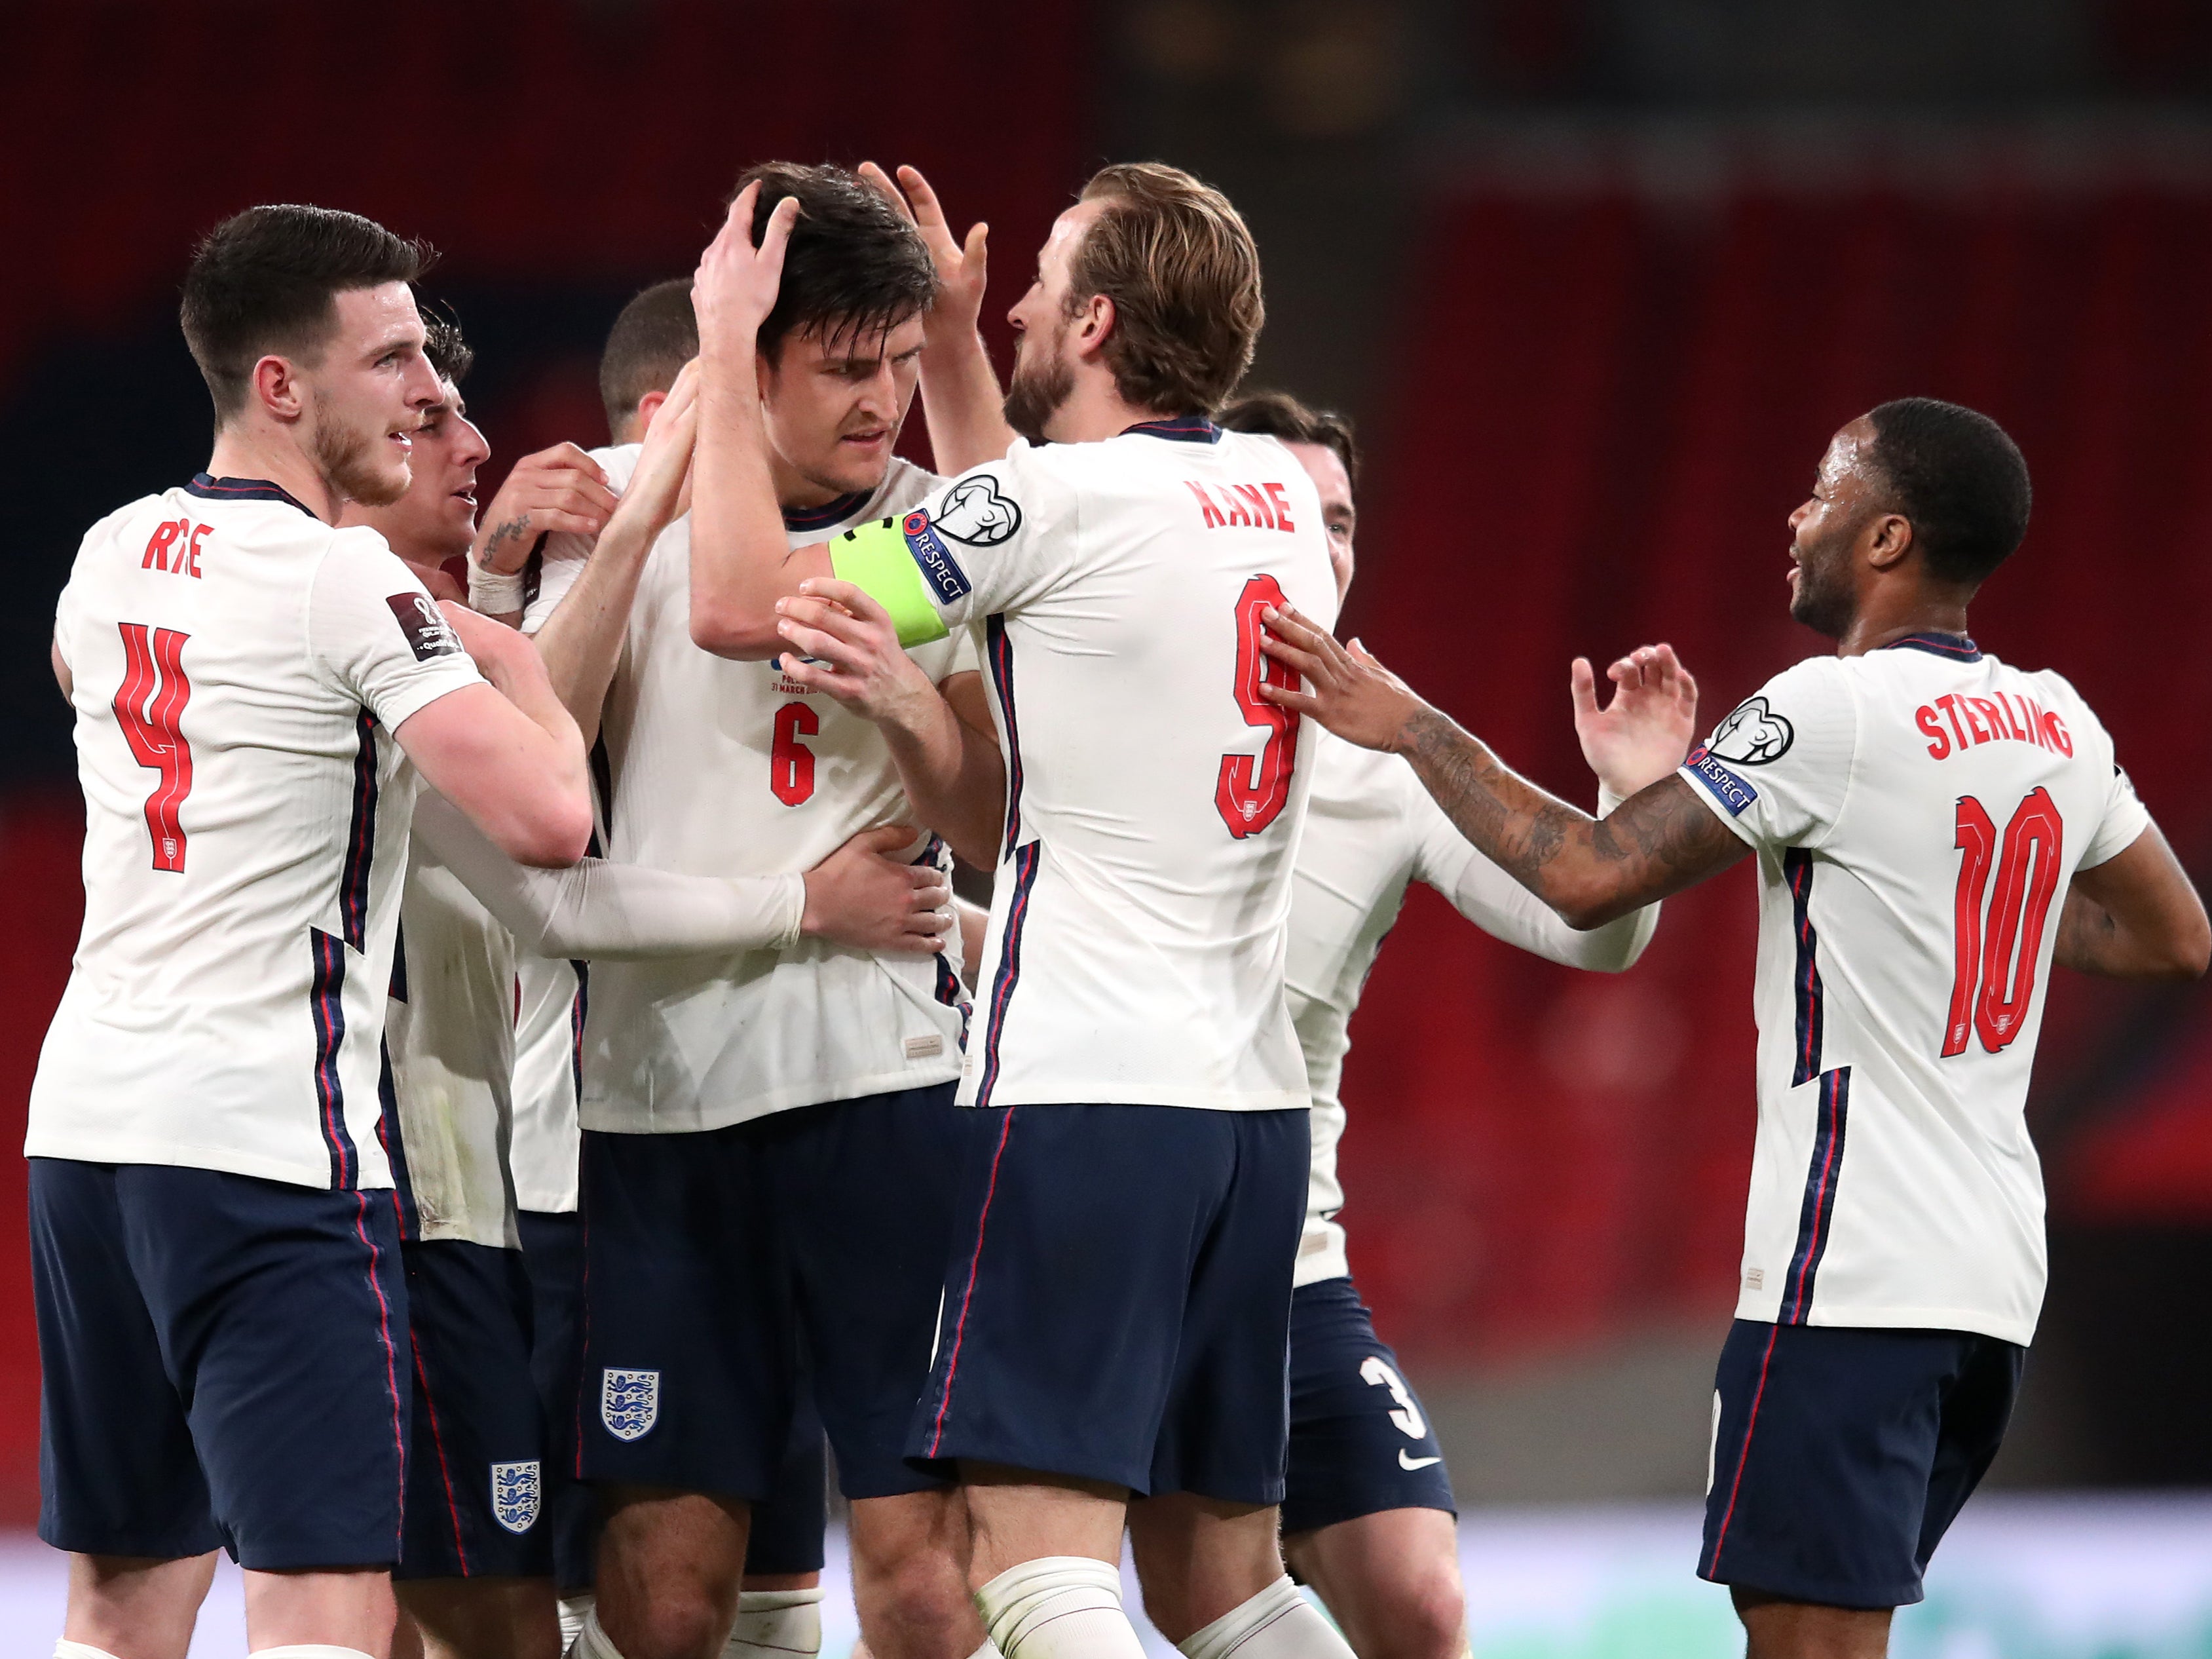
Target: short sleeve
985, 542
1778, 769
378, 634
548, 577
2126, 818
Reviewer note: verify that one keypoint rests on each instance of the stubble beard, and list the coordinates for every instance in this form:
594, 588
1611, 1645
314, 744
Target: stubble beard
1034, 395
348, 461
1822, 604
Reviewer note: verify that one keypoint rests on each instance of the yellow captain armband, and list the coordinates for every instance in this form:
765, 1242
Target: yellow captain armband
896, 562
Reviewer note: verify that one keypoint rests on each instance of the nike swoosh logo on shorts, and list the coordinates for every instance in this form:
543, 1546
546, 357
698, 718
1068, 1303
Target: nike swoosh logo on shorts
1405, 1463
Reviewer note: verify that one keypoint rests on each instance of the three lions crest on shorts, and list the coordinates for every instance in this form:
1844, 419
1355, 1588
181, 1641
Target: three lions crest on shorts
514, 1495
630, 1402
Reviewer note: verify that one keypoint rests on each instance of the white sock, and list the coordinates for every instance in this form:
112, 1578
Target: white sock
591, 1642
772, 1624
1058, 1607
1278, 1623
574, 1610
66, 1649
307, 1650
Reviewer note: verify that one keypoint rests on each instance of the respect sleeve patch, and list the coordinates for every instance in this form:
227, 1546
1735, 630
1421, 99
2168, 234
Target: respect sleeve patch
428, 634
1723, 785
884, 561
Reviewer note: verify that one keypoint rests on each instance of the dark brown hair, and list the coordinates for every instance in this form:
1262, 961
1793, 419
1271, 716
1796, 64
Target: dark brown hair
1280, 415
266, 281
854, 266
450, 354
1184, 277
655, 335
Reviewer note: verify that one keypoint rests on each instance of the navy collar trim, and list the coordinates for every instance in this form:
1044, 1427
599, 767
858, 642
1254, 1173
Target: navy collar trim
1185, 429
828, 513
216, 489
1956, 647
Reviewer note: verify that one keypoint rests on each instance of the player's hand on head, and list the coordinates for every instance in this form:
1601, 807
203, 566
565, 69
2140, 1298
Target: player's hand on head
1643, 732
863, 896
962, 267
853, 648
660, 489
557, 489
1347, 689
735, 286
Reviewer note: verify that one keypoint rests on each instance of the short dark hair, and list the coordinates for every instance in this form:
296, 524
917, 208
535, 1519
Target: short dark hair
1958, 478
450, 355
1280, 415
267, 280
853, 266
651, 341
1174, 258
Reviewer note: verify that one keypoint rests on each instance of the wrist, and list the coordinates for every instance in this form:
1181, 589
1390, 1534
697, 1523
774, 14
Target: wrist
494, 592
1419, 722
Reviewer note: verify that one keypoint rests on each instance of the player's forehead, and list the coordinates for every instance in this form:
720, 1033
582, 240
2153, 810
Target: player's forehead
1067, 230
838, 342
1847, 450
1326, 468
379, 317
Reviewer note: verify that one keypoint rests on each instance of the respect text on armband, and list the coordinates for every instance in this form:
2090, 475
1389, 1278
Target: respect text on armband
938, 567
1723, 785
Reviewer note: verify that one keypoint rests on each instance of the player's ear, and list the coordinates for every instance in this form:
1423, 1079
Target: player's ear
276, 388
1098, 320
1889, 539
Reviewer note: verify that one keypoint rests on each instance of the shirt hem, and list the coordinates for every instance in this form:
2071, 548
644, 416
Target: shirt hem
197, 1157
1976, 1321
641, 1120
1109, 1093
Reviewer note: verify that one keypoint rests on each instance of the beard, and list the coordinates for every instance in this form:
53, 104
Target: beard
1035, 395
1822, 602
348, 458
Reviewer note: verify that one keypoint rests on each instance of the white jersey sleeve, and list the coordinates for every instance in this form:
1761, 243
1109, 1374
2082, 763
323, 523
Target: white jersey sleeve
1502, 907
2124, 821
377, 635
988, 541
1778, 770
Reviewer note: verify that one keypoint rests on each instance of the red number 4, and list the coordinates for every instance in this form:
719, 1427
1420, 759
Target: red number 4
1995, 978
148, 705
1252, 790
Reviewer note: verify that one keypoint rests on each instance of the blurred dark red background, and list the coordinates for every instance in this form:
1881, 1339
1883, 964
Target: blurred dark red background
1590, 403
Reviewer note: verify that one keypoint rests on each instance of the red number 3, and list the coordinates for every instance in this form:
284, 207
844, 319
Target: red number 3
790, 762
148, 705
1996, 977
1253, 790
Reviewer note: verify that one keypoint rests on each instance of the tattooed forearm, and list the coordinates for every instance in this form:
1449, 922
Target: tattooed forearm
1590, 871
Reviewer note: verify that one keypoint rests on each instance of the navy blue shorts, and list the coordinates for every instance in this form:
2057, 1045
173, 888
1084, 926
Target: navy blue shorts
475, 1460
553, 1255
1842, 1454
1118, 1305
224, 1363
1360, 1443
729, 1272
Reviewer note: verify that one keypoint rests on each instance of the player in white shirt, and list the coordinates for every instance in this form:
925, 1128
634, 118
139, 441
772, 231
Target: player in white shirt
770, 1147
1368, 1512
1917, 809
1116, 1309
220, 1306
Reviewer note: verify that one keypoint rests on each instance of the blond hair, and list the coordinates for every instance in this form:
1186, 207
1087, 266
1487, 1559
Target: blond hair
1181, 268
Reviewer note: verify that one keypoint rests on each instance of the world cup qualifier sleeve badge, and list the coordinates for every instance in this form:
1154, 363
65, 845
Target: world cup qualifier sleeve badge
515, 1488
630, 1402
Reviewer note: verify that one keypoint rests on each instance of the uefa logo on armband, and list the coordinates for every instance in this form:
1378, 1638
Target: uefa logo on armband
630, 1402
514, 1495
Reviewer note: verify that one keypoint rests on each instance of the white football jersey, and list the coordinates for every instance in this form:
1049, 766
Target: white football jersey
449, 1036
723, 768
1371, 829
1135, 951
1918, 813
238, 669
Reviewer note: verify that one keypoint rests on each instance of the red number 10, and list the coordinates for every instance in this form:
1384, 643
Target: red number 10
148, 705
1995, 978
1252, 792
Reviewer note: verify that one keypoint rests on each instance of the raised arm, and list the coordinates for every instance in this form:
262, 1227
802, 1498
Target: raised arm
1656, 843
506, 755
582, 640
960, 396
941, 738
741, 562
557, 489
606, 912
2136, 916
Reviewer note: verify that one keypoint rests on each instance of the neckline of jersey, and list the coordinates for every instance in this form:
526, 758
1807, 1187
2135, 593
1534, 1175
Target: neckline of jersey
828, 513
1185, 429
1956, 647
216, 489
